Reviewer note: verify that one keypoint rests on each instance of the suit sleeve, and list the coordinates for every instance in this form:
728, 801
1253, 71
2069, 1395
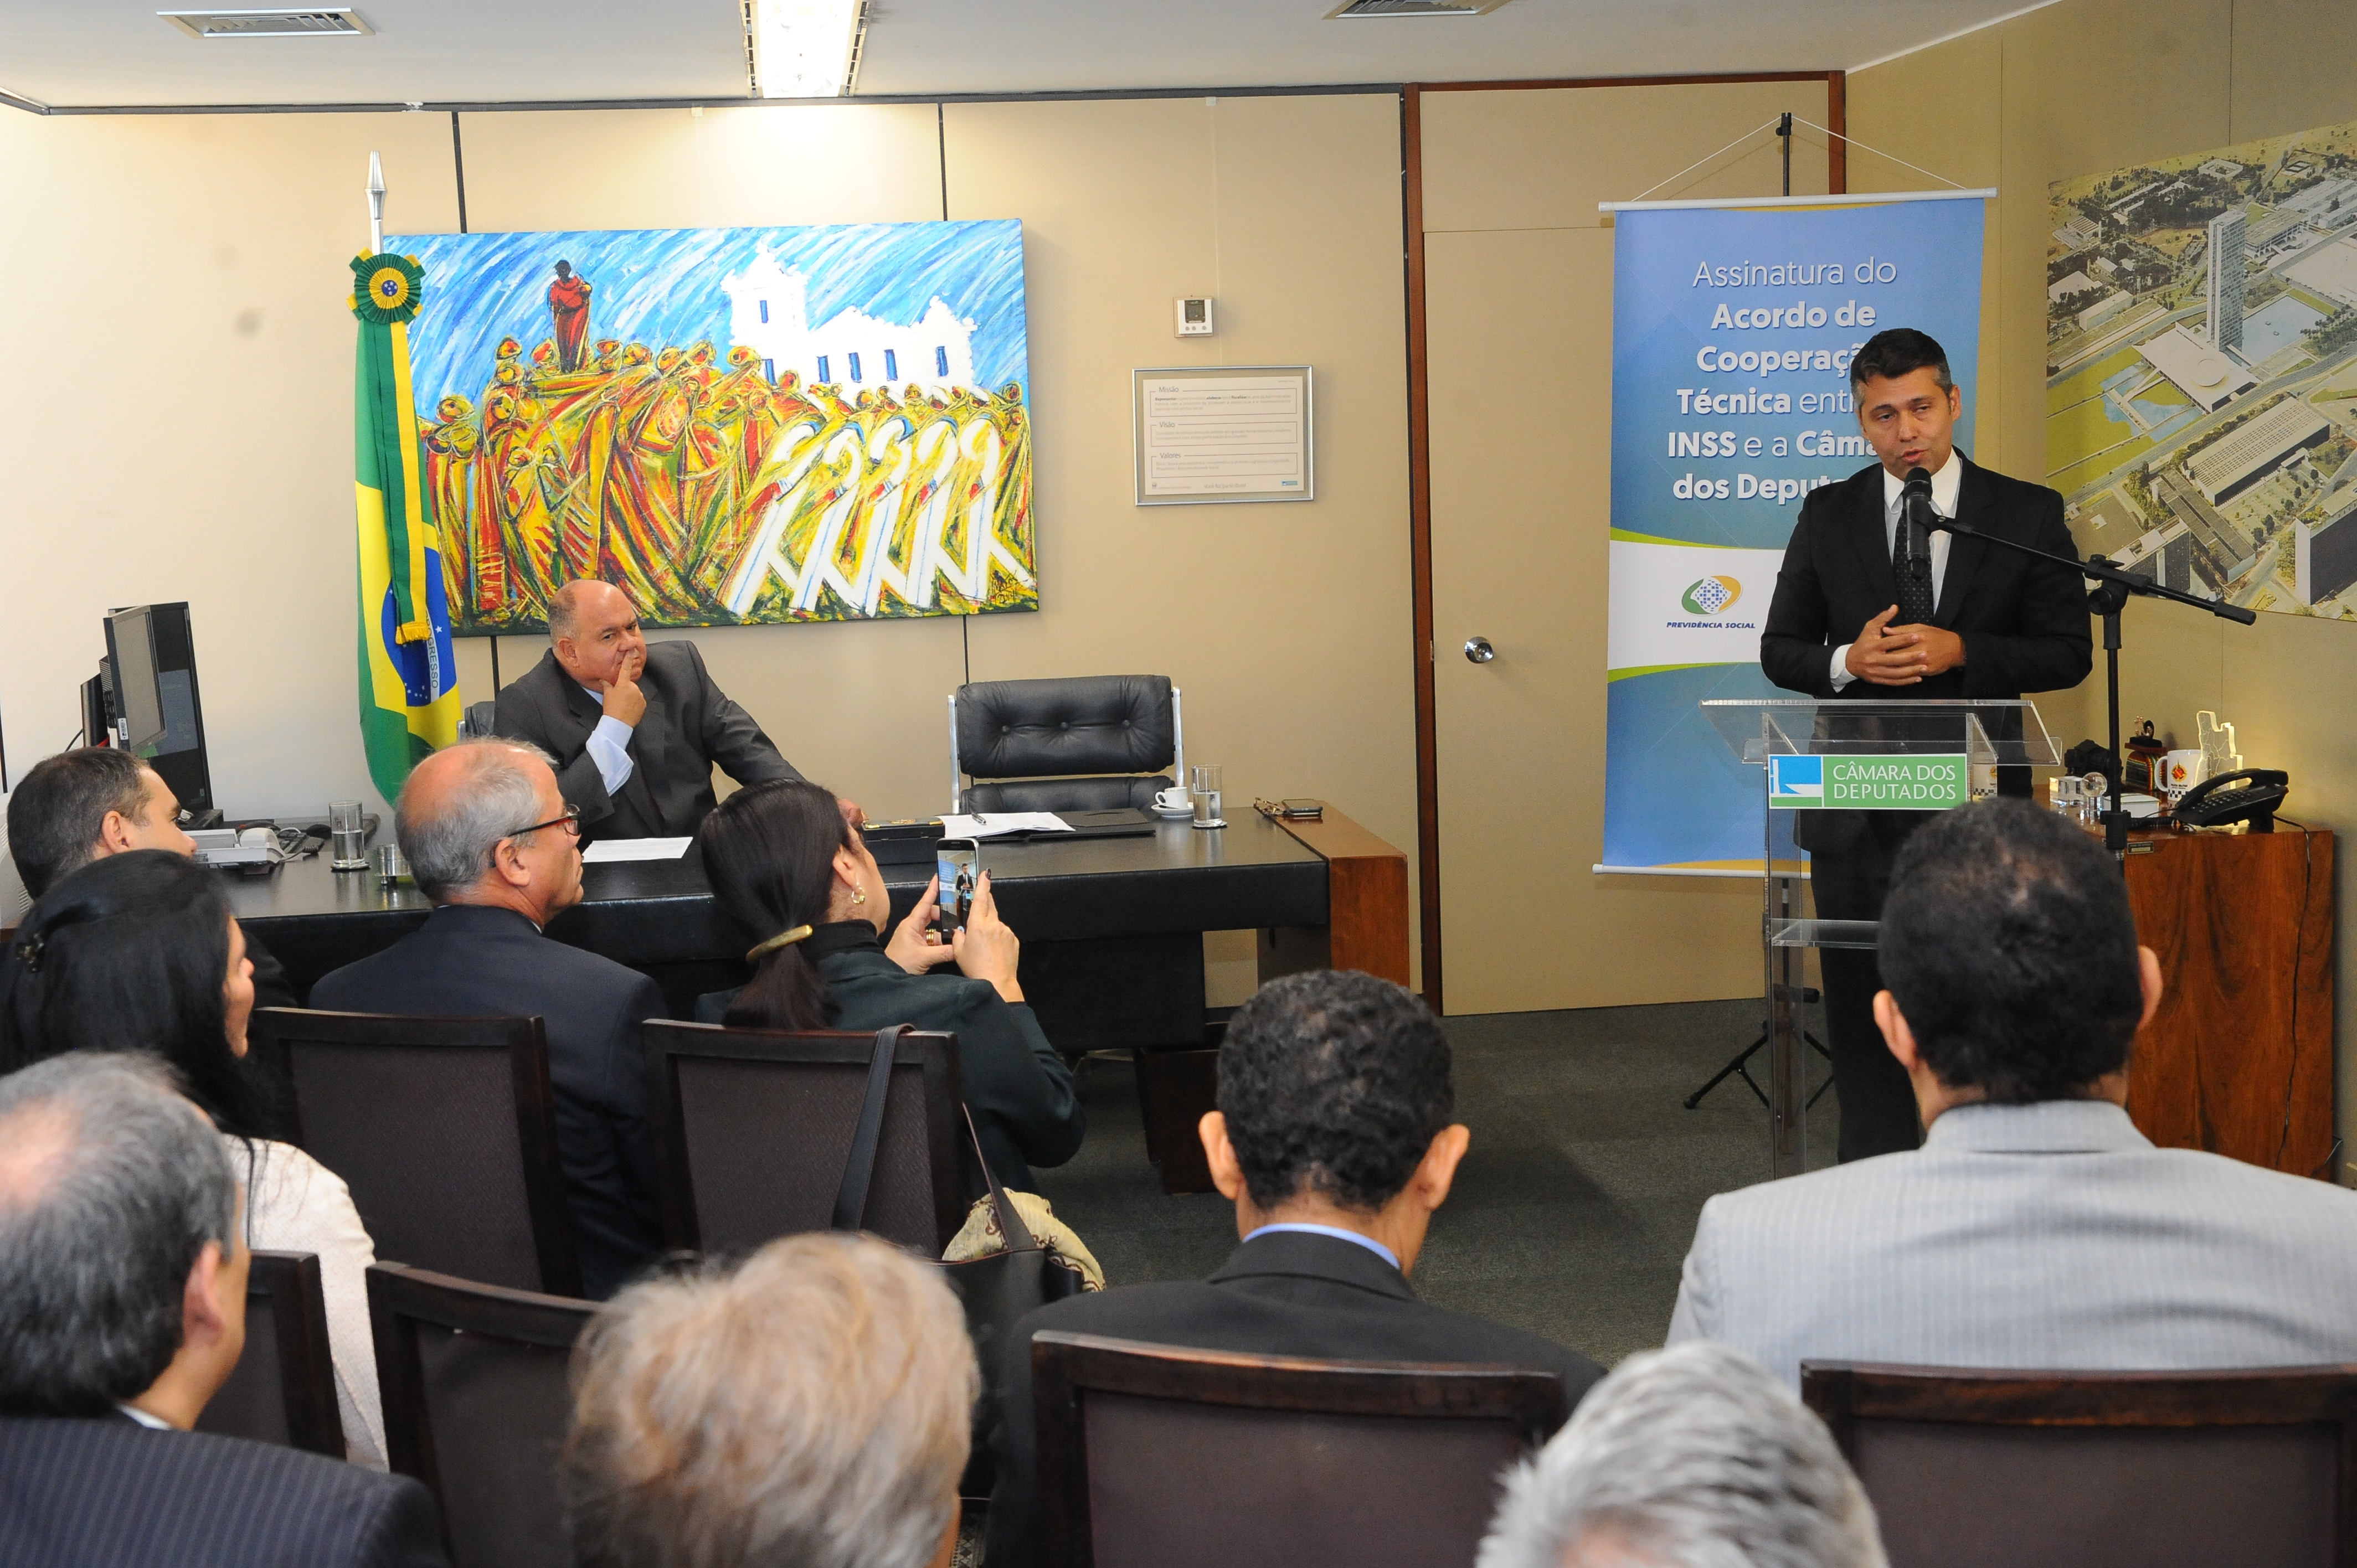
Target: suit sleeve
1793, 647
1696, 1314
518, 714
731, 737
1013, 1524
1014, 1079
626, 1105
404, 1533
2051, 650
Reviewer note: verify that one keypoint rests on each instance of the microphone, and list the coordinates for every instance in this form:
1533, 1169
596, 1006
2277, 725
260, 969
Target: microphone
1915, 506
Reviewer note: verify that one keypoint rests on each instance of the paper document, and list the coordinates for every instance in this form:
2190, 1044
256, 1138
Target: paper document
635, 849
998, 824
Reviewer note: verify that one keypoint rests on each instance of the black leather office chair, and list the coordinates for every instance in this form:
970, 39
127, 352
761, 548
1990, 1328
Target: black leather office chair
479, 720
1083, 742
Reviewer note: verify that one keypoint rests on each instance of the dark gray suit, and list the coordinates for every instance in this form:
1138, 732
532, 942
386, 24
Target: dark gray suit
2024, 625
109, 1493
690, 724
1288, 1294
471, 960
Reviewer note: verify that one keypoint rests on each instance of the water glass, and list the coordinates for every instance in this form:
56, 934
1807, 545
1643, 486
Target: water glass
348, 836
1203, 780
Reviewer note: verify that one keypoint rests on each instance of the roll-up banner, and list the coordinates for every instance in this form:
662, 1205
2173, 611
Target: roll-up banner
1733, 326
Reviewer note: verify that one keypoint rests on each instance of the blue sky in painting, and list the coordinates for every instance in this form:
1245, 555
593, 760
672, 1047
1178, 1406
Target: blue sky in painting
662, 287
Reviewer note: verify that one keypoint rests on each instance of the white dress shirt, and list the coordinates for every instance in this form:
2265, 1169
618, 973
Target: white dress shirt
1945, 484
609, 742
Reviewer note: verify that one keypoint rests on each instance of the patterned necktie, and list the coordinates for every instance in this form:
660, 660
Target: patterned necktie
1912, 560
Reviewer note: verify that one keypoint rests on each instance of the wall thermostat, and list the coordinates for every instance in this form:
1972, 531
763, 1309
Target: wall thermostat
1194, 318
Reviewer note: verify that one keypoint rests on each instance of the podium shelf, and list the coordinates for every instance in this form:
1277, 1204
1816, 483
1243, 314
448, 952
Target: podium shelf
1783, 933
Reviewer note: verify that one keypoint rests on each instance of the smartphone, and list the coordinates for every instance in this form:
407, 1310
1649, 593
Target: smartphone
958, 864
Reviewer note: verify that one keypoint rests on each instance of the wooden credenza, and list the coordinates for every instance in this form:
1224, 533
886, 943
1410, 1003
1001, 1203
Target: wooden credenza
2238, 1060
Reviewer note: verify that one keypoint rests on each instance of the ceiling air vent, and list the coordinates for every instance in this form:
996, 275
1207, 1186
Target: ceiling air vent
268, 23
1358, 8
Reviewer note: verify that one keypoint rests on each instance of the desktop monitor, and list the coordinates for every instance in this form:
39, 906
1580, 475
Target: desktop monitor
151, 674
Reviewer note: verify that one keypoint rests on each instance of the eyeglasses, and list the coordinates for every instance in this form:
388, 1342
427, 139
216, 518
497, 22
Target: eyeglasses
570, 821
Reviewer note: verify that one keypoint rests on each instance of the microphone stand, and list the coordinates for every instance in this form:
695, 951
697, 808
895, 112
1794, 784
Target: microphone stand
2107, 600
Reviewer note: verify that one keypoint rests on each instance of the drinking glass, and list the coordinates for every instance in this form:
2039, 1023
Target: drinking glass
348, 832
1204, 779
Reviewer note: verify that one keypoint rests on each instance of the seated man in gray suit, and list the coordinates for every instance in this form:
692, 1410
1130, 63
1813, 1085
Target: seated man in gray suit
634, 728
123, 1277
494, 846
1333, 1141
2036, 1228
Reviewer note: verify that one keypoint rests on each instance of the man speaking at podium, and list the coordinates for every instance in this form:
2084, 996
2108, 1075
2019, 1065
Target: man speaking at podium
1873, 605
635, 729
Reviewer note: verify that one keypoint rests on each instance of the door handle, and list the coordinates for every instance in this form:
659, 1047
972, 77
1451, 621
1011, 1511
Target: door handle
1478, 649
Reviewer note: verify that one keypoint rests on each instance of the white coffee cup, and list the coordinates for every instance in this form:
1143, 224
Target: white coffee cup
2181, 771
1174, 799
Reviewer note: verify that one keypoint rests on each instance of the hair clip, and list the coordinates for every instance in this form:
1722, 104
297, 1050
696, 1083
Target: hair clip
782, 939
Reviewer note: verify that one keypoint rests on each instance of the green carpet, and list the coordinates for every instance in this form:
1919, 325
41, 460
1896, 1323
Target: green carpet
1572, 1212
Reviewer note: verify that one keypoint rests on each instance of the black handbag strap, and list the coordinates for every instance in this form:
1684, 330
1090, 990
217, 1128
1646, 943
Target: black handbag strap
859, 1167
1010, 1220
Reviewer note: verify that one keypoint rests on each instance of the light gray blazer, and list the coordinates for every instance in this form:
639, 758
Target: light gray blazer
2050, 1236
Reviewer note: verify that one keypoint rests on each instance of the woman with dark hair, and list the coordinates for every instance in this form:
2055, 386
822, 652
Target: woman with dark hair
138, 951
787, 865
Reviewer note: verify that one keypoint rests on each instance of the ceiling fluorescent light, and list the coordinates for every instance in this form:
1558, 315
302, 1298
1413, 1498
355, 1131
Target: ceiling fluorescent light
807, 48
1359, 9
333, 24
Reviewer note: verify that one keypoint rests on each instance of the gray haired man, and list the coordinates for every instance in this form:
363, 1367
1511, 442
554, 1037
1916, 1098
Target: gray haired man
492, 842
1690, 1457
121, 1312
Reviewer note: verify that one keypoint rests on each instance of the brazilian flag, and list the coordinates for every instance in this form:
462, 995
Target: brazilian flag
409, 672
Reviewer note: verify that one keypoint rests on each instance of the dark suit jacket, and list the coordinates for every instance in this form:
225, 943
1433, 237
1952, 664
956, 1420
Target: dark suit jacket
689, 726
1285, 1294
113, 1494
471, 961
2024, 622
1026, 1110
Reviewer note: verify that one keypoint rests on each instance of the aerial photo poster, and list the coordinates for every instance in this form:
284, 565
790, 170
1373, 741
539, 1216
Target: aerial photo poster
2201, 368
732, 425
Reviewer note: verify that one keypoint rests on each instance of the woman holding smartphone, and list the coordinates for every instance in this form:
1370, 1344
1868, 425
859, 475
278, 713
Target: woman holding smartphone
788, 865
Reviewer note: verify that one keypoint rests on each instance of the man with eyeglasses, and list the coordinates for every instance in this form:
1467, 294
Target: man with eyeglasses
490, 838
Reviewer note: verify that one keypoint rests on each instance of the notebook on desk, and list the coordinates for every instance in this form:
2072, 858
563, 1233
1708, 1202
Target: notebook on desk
1126, 822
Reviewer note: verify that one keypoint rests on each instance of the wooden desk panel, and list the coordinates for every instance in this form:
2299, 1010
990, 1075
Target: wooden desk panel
2238, 1060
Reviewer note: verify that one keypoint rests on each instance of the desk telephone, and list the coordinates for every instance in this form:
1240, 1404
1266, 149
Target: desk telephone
2250, 795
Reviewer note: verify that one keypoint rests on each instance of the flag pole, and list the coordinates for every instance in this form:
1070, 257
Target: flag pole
376, 206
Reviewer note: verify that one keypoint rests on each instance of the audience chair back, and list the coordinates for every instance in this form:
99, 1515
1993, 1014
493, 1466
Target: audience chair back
753, 1126
1156, 1457
443, 1129
477, 1406
1083, 742
284, 1390
2084, 1469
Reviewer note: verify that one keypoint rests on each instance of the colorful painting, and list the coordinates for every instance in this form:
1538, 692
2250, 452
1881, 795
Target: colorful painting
2201, 368
732, 425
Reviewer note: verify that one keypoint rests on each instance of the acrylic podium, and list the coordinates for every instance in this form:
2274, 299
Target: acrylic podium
1925, 756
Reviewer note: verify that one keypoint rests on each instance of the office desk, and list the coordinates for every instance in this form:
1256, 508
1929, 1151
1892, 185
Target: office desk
1111, 928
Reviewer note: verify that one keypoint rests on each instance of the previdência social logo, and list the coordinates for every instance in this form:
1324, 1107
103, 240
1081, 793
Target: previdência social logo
1711, 595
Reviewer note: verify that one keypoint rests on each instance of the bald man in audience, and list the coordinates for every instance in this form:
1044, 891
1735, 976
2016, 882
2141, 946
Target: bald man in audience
122, 1281
2036, 1226
493, 843
635, 728
94, 801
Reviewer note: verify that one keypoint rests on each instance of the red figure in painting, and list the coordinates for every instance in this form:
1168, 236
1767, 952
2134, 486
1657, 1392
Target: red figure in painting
568, 304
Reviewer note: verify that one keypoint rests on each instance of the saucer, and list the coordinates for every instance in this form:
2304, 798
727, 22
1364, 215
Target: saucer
1167, 814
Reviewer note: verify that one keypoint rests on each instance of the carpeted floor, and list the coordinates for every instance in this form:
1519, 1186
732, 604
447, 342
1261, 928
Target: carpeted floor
1572, 1212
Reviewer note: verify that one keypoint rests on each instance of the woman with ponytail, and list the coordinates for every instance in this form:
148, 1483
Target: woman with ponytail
787, 865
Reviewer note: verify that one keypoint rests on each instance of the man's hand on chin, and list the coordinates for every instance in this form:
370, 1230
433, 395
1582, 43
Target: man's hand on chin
625, 703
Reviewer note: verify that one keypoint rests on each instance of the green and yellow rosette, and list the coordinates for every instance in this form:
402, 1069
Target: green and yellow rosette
387, 289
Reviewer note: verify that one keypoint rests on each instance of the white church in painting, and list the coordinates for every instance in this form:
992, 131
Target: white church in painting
770, 313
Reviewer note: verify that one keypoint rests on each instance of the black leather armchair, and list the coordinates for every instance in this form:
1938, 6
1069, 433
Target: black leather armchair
1085, 743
